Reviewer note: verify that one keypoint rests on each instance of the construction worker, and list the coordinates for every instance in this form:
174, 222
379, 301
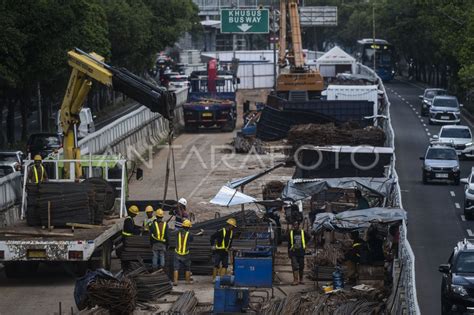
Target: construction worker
180, 213
297, 241
221, 242
358, 254
149, 218
159, 237
182, 256
37, 173
129, 227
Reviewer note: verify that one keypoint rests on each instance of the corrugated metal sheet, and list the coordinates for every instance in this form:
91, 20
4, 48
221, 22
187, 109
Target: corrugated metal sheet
255, 76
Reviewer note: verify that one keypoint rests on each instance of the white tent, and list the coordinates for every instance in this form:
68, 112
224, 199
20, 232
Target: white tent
336, 61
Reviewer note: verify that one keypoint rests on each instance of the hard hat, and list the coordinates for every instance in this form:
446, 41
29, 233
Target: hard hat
149, 209
232, 222
38, 157
160, 213
187, 224
183, 202
133, 209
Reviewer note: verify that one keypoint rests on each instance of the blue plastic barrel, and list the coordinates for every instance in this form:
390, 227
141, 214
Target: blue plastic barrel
338, 279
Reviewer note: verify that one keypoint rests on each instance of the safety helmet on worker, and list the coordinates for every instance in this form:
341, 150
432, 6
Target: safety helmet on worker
183, 202
38, 158
160, 213
133, 210
148, 209
231, 221
187, 224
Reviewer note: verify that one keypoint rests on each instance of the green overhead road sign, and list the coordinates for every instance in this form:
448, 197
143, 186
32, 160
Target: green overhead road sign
247, 21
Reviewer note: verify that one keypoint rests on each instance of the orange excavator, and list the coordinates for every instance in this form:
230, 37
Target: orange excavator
299, 83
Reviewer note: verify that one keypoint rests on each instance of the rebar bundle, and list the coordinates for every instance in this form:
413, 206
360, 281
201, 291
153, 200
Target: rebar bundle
185, 305
150, 286
119, 297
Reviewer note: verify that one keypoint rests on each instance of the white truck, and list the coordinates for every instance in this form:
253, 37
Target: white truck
23, 247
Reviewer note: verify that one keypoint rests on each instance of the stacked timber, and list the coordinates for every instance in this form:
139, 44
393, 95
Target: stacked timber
328, 134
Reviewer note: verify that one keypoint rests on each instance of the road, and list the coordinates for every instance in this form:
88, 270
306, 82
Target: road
435, 220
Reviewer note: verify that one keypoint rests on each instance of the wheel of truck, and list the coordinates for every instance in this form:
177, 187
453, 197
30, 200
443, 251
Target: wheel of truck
21, 269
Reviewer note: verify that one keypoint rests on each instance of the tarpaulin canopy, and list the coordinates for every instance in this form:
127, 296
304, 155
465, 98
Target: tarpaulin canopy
230, 197
348, 221
298, 189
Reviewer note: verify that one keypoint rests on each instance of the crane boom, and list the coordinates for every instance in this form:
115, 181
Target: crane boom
282, 49
296, 42
89, 67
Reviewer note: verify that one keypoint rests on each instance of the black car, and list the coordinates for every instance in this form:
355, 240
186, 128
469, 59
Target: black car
440, 163
427, 99
457, 284
43, 144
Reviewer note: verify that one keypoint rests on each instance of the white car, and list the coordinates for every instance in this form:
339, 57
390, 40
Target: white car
178, 81
469, 195
458, 136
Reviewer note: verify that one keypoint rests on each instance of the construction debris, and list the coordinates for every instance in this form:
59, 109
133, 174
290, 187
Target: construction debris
328, 134
272, 190
243, 144
117, 296
343, 302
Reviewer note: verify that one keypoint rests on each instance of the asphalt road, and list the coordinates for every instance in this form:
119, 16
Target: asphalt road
435, 211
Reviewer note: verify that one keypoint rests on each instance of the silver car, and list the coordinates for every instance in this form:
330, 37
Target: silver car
445, 109
458, 136
427, 99
469, 195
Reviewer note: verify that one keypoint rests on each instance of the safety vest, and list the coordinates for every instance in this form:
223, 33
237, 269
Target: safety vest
147, 223
223, 246
160, 235
303, 242
127, 233
36, 174
356, 245
182, 244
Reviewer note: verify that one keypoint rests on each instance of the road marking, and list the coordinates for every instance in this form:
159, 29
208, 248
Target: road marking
463, 218
424, 125
469, 232
403, 98
457, 205
429, 134
418, 114
452, 193
427, 129
419, 117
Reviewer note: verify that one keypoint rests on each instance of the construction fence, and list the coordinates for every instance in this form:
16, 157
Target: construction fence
403, 299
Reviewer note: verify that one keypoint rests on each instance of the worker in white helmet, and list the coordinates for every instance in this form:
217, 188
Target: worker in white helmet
181, 213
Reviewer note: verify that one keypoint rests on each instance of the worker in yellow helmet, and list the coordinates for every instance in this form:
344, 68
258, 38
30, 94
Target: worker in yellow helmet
221, 242
129, 226
149, 218
182, 256
297, 241
37, 173
159, 237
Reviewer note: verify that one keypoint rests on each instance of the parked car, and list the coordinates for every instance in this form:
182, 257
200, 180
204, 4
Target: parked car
457, 284
86, 126
445, 109
12, 156
43, 144
427, 99
469, 195
458, 136
8, 167
440, 163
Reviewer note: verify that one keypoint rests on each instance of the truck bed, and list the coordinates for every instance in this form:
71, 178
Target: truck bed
109, 227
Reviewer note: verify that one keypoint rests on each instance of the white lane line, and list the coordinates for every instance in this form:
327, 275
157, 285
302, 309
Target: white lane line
452, 193
429, 134
418, 114
403, 98
407, 102
457, 205
424, 125
469, 232
463, 218
427, 129
419, 117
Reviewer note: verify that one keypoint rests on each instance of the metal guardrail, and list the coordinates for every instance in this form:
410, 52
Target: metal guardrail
101, 140
404, 291
10, 190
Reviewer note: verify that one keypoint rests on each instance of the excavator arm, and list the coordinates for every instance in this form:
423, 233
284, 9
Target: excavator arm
89, 67
296, 42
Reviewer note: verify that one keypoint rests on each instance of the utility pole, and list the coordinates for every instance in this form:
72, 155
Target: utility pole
40, 114
373, 31
274, 45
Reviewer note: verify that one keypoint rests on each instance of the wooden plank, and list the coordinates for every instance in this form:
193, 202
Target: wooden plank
83, 226
36, 233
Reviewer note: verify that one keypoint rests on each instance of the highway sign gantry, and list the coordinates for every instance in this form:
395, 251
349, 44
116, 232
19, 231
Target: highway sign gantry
245, 21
